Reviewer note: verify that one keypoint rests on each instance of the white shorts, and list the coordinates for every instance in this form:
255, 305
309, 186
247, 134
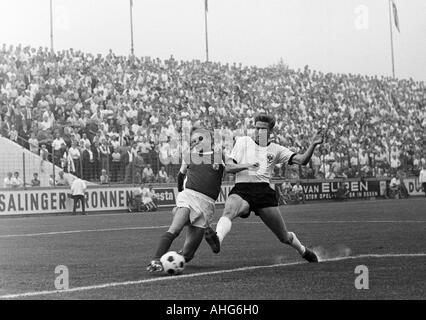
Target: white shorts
146, 200
201, 207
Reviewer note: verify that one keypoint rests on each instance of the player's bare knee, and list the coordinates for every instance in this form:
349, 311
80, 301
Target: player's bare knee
230, 214
233, 207
174, 231
285, 238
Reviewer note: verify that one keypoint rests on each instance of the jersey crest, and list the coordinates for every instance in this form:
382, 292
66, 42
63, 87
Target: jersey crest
270, 157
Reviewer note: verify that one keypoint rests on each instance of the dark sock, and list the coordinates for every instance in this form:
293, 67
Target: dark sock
164, 245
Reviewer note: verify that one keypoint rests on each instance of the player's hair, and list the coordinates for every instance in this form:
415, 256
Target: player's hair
263, 117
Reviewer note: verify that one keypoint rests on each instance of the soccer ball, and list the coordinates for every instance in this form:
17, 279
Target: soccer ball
173, 263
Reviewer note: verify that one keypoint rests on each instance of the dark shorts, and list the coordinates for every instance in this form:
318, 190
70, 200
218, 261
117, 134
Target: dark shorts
258, 195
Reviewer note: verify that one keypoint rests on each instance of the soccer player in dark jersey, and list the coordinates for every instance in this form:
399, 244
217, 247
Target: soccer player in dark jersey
198, 192
252, 191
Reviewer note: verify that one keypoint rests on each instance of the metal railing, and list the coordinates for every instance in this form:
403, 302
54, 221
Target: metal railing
90, 165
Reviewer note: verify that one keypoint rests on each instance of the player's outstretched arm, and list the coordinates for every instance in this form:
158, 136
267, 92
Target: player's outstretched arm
303, 159
232, 167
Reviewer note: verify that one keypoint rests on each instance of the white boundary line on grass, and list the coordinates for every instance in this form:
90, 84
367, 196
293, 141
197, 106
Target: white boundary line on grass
78, 231
344, 221
166, 226
195, 275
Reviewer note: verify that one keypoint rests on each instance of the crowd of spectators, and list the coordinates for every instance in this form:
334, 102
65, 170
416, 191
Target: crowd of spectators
14, 181
114, 118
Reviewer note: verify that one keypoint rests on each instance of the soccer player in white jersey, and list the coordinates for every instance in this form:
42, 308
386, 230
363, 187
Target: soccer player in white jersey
252, 191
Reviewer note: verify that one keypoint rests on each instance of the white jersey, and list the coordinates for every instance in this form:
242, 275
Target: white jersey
246, 151
422, 176
78, 187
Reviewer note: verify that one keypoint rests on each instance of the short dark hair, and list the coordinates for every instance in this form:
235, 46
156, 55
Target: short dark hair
263, 117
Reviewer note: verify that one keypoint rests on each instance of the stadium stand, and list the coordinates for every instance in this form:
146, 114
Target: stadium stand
117, 113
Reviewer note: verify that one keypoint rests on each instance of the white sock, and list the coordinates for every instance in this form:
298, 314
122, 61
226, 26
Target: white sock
295, 243
223, 227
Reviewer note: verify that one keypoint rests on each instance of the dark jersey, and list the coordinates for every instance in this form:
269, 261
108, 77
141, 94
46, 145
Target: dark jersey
205, 178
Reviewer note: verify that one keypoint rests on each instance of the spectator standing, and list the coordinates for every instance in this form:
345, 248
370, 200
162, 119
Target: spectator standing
115, 166
330, 174
127, 162
114, 142
44, 155
422, 178
86, 140
104, 154
8, 181
48, 114
45, 125
97, 157
22, 100
395, 163
145, 147
33, 143
78, 190
63, 160
13, 134
28, 116
56, 148
138, 164
19, 119
88, 162
316, 163
75, 155
69, 162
